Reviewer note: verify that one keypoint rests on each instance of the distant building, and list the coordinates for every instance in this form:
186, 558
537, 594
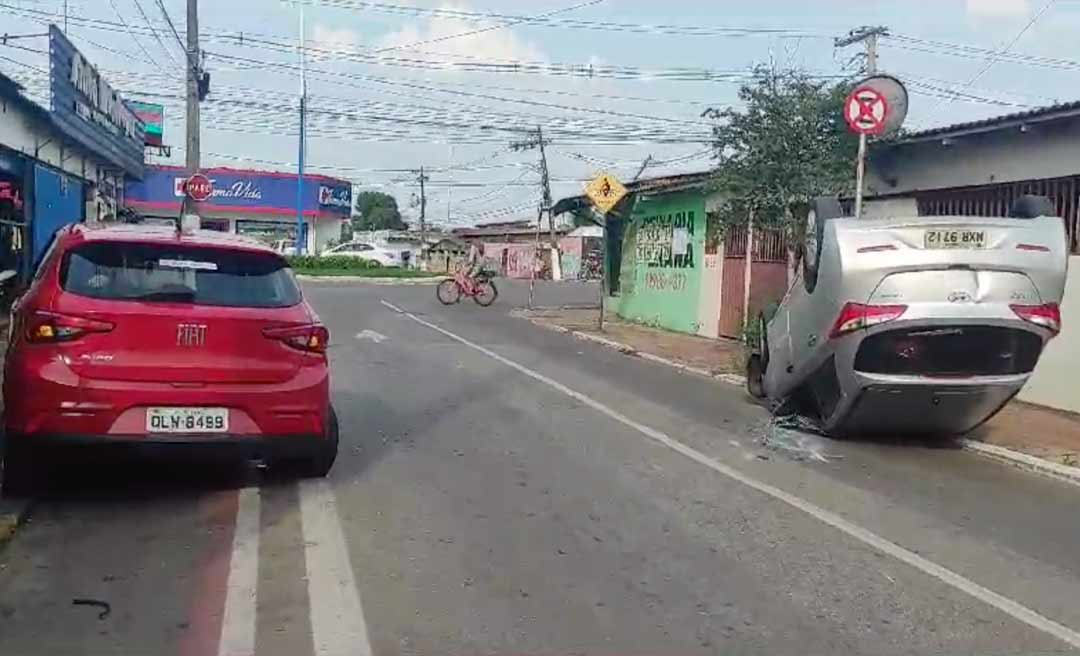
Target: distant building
57, 164
261, 204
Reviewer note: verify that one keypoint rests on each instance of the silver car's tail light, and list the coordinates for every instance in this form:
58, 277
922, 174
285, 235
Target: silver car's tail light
857, 316
1047, 315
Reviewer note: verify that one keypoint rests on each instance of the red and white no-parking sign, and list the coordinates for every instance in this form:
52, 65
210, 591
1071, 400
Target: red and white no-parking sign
866, 111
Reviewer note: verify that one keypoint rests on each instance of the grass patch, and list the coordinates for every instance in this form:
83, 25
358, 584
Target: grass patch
387, 272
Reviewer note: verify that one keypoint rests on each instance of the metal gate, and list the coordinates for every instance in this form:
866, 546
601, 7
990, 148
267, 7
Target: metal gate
768, 276
58, 201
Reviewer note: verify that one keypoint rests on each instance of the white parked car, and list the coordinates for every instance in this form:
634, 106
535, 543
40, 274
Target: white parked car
382, 256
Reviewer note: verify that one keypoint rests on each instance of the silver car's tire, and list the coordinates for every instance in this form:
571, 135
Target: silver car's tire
821, 211
755, 376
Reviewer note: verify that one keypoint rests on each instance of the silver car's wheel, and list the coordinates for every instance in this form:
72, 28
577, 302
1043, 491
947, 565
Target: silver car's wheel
820, 212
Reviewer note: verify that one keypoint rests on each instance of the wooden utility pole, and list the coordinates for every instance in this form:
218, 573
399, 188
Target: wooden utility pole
193, 128
193, 145
536, 140
869, 36
423, 221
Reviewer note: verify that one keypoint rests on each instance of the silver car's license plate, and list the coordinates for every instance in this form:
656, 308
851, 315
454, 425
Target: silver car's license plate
187, 420
955, 239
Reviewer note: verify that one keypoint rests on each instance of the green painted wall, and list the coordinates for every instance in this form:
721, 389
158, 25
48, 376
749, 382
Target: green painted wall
663, 256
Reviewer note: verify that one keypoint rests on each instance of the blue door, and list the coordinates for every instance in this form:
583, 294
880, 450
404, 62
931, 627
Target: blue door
58, 201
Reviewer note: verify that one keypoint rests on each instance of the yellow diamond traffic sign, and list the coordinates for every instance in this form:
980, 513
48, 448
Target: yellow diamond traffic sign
605, 191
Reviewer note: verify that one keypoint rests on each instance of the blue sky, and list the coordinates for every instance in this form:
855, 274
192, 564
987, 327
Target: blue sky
404, 106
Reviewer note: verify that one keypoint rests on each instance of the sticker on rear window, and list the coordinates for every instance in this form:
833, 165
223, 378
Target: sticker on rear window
188, 264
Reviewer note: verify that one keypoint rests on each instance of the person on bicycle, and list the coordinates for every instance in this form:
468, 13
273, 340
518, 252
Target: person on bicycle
475, 264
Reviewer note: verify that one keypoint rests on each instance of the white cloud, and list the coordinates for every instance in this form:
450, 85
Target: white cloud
494, 44
998, 8
330, 37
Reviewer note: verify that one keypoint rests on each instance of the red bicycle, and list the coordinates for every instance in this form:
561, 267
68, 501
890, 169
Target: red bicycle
480, 287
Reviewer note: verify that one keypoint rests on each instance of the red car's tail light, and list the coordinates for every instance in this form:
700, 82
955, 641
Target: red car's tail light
856, 316
51, 327
312, 338
1047, 315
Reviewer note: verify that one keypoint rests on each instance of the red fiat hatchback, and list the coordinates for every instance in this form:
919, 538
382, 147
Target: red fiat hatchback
142, 336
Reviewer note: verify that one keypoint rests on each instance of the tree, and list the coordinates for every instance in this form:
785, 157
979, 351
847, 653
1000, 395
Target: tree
375, 210
789, 144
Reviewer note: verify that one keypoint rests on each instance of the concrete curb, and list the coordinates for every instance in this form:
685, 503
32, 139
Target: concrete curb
732, 379
13, 512
1023, 461
373, 281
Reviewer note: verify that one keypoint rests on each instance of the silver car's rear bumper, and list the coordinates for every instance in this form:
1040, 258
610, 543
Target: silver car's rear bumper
914, 405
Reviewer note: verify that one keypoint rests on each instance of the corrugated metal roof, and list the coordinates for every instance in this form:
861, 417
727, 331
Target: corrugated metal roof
645, 185
1037, 115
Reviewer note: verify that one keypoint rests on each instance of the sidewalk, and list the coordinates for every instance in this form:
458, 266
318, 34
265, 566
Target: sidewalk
708, 355
1044, 433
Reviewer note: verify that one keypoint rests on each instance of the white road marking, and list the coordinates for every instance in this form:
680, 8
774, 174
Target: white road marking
1004, 604
238, 623
337, 617
392, 306
371, 335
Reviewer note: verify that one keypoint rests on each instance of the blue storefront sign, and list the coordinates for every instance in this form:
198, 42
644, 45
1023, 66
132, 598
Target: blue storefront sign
258, 192
335, 197
89, 111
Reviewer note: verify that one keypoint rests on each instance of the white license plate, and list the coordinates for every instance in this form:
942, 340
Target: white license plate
187, 420
973, 239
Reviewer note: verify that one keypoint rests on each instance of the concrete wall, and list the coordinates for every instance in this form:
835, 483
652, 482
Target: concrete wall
663, 259
1055, 381
322, 232
1044, 151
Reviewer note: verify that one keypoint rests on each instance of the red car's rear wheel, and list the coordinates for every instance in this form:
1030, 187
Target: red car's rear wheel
321, 459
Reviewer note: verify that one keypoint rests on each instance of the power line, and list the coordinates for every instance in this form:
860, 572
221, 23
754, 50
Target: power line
180, 42
157, 37
492, 28
506, 66
546, 21
994, 58
127, 28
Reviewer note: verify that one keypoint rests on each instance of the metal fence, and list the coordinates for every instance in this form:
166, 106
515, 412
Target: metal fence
995, 200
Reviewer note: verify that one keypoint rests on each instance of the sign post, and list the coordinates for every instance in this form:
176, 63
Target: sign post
605, 191
865, 112
877, 107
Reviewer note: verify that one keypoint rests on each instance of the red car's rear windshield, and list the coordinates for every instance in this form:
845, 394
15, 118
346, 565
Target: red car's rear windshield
178, 273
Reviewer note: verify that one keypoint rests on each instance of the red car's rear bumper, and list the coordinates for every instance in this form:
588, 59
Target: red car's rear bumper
53, 401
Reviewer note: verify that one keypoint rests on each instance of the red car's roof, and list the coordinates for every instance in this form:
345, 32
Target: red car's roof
157, 234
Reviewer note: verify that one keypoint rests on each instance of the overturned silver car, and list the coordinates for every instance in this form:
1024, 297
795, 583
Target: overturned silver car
913, 324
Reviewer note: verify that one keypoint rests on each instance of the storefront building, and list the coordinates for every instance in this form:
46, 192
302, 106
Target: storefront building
260, 204
63, 164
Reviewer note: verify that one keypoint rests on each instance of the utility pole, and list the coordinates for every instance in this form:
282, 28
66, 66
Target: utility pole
193, 127
192, 152
301, 238
423, 221
536, 140
868, 35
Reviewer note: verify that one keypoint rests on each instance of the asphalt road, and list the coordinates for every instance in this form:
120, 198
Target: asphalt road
503, 489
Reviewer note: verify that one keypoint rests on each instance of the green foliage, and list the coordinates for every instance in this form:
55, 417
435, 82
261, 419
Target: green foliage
751, 332
789, 144
375, 210
329, 262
